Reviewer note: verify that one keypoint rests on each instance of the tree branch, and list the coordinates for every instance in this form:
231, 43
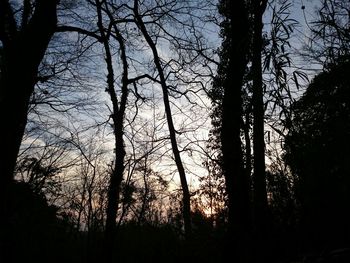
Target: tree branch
80, 31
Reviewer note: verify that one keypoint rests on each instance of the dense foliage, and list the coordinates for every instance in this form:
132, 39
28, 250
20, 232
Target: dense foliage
318, 152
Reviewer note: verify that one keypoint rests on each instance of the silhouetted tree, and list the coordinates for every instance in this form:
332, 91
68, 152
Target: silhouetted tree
228, 88
317, 150
259, 178
172, 132
163, 80
24, 37
117, 115
263, 54
24, 41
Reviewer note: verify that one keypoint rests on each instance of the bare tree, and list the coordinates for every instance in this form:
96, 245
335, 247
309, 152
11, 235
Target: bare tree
157, 61
117, 116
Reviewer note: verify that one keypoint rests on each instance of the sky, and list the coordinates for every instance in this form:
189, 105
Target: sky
192, 159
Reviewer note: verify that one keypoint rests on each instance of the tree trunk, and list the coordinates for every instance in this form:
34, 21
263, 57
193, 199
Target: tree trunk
141, 216
248, 151
259, 178
233, 168
185, 191
22, 51
260, 208
117, 115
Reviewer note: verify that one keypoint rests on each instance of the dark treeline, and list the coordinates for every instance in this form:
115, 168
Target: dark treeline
103, 108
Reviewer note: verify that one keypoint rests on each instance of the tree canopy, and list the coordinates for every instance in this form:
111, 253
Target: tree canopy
318, 152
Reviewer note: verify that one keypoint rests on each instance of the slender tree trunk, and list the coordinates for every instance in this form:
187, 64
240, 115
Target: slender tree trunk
185, 191
259, 178
260, 208
117, 115
248, 150
141, 216
233, 168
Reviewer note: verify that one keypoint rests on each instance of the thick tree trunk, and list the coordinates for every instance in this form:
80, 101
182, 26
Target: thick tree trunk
185, 191
22, 51
233, 167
